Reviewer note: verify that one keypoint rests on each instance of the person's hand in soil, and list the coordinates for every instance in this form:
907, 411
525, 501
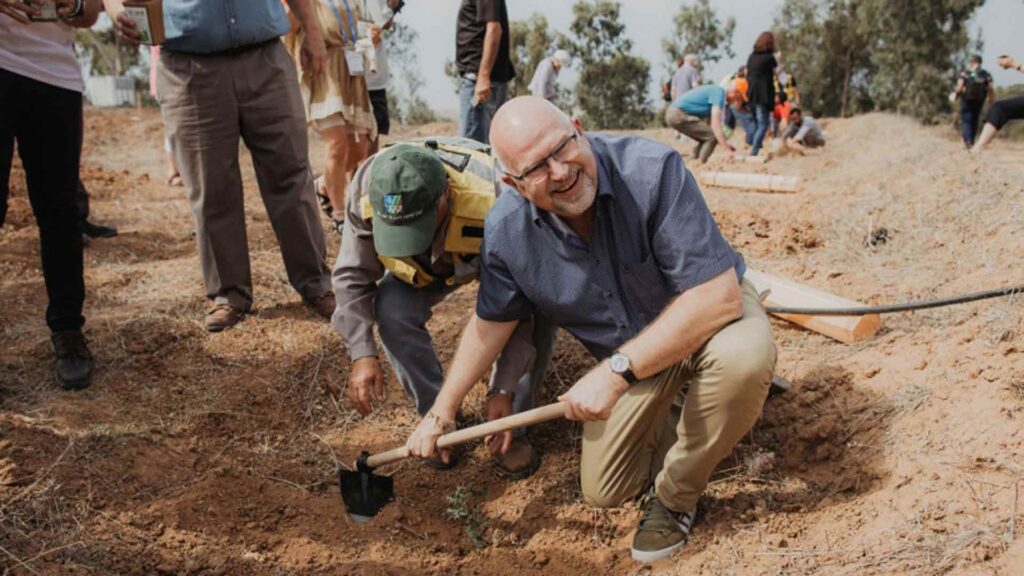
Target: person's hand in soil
593, 396
365, 383
423, 442
499, 406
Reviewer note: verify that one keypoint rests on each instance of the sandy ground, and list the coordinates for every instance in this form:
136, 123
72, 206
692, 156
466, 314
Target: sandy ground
216, 454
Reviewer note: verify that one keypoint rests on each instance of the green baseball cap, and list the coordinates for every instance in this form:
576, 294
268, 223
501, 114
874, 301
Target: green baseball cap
406, 184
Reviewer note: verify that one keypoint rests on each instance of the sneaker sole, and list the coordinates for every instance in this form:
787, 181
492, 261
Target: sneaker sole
648, 556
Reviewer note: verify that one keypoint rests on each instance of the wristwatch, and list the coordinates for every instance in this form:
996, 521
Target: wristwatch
620, 364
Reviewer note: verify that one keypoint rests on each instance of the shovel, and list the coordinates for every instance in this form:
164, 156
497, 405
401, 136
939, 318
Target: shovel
365, 493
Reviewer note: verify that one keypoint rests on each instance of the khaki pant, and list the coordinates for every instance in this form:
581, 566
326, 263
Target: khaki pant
721, 390
694, 127
209, 102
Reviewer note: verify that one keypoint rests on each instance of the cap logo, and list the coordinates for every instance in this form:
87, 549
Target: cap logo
393, 204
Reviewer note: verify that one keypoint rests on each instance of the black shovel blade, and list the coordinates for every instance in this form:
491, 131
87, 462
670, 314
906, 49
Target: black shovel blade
364, 492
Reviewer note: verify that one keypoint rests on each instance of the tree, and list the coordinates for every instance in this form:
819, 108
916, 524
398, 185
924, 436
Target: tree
530, 42
407, 105
822, 45
915, 47
857, 55
612, 89
104, 53
699, 31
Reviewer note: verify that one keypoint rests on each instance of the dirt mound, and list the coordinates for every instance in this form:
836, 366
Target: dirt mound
216, 454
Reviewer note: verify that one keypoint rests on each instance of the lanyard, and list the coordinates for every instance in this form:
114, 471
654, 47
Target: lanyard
351, 20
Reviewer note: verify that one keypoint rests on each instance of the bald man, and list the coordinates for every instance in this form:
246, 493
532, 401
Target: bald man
611, 239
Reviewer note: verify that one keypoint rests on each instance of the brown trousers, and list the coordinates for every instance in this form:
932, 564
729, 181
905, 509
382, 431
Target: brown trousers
694, 127
676, 426
209, 102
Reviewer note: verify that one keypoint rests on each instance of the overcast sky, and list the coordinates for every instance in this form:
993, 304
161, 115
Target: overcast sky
648, 21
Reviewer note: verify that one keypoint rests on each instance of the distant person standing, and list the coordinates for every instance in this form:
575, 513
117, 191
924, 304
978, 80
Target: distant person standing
484, 65
973, 87
737, 110
337, 101
1002, 111
225, 76
787, 81
686, 78
41, 107
780, 114
761, 66
545, 77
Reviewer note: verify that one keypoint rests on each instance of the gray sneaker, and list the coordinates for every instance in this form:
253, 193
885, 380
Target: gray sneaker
660, 532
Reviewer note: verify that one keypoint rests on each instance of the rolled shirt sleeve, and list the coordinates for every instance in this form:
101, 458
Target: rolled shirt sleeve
355, 276
685, 239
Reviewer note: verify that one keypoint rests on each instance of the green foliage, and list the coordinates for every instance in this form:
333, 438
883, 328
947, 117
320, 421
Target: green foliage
104, 53
461, 508
915, 49
853, 56
699, 31
406, 104
531, 42
612, 89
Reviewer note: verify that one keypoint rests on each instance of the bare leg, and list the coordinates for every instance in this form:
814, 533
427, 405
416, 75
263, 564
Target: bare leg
987, 134
336, 174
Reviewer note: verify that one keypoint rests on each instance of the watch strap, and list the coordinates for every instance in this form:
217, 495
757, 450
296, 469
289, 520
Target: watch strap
629, 376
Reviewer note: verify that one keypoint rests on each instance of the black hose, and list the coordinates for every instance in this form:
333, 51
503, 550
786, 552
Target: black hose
919, 305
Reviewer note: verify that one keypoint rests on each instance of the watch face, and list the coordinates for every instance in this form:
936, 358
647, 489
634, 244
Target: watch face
619, 363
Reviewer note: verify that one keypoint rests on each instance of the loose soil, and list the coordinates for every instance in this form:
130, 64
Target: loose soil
217, 454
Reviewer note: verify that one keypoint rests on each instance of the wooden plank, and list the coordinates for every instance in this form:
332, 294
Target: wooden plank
759, 182
785, 292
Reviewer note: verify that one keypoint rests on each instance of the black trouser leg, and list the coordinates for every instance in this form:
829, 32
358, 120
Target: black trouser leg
47, 124
6, 155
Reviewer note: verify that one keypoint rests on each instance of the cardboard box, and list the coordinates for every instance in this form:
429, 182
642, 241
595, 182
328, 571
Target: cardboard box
148, 16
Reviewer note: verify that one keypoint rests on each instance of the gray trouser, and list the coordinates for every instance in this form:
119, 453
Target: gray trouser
693, 127
402, 312
209, 102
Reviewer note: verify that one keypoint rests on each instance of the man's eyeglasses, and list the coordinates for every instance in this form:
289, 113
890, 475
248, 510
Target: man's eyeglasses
539, 171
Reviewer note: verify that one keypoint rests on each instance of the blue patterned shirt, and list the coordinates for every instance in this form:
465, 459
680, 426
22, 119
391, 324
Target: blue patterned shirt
653, 238
207, 26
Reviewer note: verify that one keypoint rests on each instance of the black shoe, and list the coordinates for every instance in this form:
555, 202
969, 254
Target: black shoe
74, 362
95, 230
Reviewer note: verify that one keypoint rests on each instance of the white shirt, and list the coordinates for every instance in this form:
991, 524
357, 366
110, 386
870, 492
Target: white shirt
42, 51
543, 82
379, 14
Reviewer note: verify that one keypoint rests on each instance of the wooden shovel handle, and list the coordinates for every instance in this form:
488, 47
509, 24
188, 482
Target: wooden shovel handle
528, 418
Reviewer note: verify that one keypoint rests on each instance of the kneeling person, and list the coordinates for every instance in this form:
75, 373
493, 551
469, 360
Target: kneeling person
803, 131
698, 114
610, 238
412, 234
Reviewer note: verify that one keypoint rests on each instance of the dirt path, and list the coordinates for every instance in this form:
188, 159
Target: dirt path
216, 454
